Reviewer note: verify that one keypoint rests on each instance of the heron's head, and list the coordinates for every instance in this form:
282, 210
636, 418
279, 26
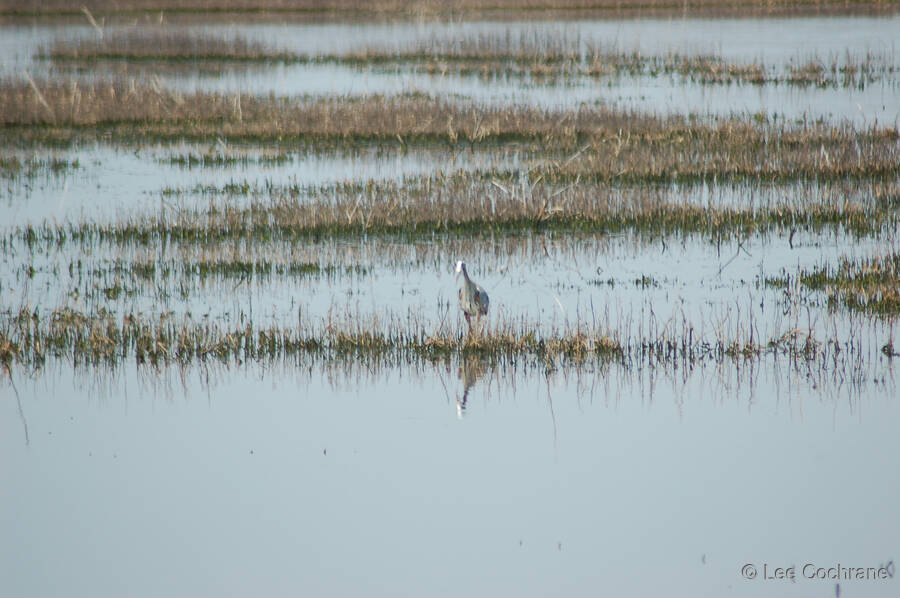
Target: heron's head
460, 267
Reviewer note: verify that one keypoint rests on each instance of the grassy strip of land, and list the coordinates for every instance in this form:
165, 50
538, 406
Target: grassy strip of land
550, 54
31, 338
356, 9
122, 110
587, 144
578, 209
869, 285
558, 53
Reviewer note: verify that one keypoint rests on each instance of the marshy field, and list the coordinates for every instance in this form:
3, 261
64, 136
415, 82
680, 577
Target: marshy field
232, 357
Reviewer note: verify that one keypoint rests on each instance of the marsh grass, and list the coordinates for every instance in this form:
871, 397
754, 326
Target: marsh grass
469, 210
124, 111
30, 338
222, 160
540, 69
220, 267
536, 54
870, 285
850, 71
504, 9
160, 45
557, 54
580, 145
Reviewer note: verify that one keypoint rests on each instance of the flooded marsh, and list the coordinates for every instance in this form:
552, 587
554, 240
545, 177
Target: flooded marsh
232, 354
533, 54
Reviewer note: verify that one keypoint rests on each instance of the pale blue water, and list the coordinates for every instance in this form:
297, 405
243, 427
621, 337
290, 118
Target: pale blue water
272, 481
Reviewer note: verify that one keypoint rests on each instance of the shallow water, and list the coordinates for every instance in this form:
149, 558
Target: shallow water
104, 184
273, 482
629, 286
111, 183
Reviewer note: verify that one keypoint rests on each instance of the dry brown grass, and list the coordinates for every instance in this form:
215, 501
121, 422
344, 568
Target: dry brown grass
139, 109
735, 151
439, 8
585, 144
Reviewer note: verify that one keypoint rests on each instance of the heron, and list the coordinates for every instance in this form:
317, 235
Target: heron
473, 299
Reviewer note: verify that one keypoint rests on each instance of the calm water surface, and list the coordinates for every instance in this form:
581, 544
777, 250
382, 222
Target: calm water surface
343, 482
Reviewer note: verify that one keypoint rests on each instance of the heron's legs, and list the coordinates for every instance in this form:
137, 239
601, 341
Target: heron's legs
479, 323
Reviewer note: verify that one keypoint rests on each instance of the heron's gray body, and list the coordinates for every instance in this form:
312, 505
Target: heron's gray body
473, 299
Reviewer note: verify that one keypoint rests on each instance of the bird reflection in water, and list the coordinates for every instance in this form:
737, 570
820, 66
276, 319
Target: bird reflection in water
471, 370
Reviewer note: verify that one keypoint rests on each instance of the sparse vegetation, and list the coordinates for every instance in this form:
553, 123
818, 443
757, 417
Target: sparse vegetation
870, 285
30, 338
539, 56
13, 167
218, 160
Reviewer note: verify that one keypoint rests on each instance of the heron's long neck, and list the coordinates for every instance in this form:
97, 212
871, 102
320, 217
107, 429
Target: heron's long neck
466, 276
